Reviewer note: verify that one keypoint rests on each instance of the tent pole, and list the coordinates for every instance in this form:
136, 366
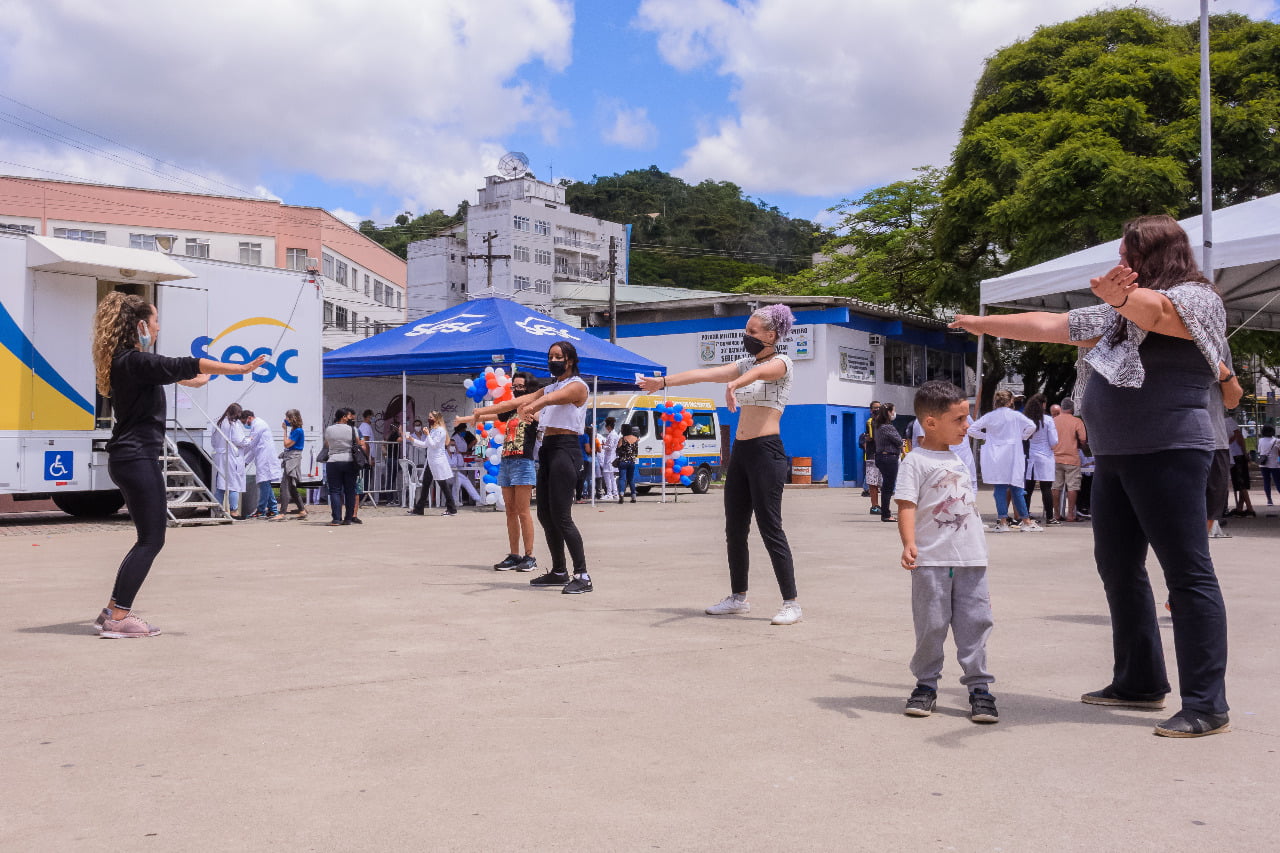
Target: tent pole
595, 394
404, 429
982, 339
1206, 146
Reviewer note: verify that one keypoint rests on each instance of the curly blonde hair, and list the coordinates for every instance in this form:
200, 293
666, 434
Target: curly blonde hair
115, 328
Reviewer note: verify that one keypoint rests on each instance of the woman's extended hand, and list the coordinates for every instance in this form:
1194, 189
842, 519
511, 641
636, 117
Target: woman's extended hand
971, 323
730, 400
651, 384
254, 365
1115, 285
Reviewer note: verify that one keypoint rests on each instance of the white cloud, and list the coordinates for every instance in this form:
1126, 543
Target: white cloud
629, 127
414, 96
347, 216
832, 96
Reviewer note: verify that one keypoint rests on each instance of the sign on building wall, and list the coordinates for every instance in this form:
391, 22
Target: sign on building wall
726, 347
857, 365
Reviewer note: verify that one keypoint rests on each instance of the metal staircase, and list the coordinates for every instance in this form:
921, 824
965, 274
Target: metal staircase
189, 502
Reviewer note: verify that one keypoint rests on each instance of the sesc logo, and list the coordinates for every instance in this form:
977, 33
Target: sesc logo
276, 367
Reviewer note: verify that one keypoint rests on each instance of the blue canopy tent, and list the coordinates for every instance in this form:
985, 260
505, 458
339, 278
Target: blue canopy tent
488, 332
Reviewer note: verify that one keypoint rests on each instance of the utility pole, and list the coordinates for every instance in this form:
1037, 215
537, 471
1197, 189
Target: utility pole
613, 290
488, 257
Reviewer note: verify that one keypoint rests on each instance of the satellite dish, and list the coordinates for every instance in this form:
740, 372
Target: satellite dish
514, 164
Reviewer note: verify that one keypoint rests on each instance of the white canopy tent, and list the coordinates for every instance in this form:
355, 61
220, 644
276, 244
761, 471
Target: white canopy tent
1246, 260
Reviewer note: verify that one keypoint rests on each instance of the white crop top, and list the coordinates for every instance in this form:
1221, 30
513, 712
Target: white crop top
771, 395
563, 415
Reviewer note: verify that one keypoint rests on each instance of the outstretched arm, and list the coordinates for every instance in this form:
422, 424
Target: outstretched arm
1041, 326
723, 373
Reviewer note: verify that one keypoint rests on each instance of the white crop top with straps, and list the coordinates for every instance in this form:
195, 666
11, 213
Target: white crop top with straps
772, 395
563, 415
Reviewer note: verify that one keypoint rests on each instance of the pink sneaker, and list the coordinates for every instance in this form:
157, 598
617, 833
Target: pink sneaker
127, 628
102, 617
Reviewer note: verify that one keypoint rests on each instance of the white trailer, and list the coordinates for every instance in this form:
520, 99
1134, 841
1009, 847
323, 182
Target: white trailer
53, 424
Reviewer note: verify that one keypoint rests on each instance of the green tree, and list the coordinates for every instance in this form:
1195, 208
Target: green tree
408, 229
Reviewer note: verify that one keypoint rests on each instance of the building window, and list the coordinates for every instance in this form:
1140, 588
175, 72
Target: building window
327, 265
142, 241
328, 313
197, 247
377, 292
294, 259
522, 223
340, 272
541, 226
340, 317
81, 235
522, 282
22, 229
542, 285
251, 253
368, 291
366, 284
542, 256
562, 265
520, 253
355, 279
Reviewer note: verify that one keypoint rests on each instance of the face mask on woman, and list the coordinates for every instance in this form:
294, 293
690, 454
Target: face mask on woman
144, 336
557, 366
753, 345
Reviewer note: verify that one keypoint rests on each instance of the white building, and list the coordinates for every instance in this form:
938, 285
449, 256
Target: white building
548, 257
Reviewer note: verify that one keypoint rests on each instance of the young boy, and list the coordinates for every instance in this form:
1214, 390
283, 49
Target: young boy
944, 549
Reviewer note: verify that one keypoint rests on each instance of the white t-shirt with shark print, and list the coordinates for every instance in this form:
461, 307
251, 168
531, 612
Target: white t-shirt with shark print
948, 526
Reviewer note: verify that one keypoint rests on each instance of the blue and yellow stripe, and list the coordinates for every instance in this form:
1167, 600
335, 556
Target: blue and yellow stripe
35, 396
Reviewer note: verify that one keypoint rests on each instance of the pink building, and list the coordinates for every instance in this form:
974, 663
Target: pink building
364, 284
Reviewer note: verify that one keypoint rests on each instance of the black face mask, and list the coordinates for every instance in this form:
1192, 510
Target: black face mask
753, 345
557, 366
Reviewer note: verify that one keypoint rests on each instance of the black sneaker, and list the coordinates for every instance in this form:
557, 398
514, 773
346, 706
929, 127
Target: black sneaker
527, 564
577, 585
552, 578
356, 520
1109, 696
1187, 723
512, 561
982, 707
922, 702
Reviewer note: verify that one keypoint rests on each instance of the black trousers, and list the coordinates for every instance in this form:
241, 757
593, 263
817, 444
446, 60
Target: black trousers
753, 486
559, 462
141, 481
340, 480
1157, 499
887, 463
1046, 497
424, 492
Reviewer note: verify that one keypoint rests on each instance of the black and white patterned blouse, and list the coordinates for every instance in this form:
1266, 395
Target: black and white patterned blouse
1199, 307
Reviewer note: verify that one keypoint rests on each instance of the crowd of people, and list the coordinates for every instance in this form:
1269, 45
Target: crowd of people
1146, 463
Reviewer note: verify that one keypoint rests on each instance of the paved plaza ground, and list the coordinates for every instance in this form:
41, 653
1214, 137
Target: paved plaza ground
382, 688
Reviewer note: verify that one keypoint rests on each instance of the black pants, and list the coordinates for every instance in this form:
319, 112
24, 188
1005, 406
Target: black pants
887, 463
753, 486
424, 493
340, 479
1158, 499
559, 462
1046, 497
141, 481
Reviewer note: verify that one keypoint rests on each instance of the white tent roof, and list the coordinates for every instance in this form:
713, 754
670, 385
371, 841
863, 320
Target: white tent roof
1246, 256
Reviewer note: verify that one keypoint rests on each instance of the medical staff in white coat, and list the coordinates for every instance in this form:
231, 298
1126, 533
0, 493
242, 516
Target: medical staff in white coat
1003, 462
608, 453
230, 441
266, 464
461, 479
437, 469
1040, 462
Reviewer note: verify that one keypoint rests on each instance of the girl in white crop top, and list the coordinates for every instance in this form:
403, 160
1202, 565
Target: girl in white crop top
563, 408
759, 383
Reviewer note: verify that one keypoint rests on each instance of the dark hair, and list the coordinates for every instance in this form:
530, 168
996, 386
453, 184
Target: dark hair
883, 416
626, 430
368, 413
1268, 431
1159, 251
610, 421
934, 398
1034, 409
233, 413
246, 414
570, 353
339, 415
521, 374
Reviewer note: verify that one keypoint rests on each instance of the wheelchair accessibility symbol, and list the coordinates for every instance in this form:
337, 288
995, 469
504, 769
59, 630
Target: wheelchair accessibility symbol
59, 464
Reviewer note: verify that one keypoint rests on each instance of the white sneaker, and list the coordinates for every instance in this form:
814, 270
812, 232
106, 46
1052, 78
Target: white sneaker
1030, 527
1000, 528
729, 607
789, 614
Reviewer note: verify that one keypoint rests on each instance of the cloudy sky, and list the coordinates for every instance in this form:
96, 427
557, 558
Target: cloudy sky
373, 109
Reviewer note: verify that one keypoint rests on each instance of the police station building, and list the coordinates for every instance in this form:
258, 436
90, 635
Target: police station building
846, 354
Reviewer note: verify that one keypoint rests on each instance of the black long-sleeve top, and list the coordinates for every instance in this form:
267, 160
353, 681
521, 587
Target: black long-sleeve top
137, 401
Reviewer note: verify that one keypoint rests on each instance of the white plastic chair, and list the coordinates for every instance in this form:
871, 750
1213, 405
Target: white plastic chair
409, 479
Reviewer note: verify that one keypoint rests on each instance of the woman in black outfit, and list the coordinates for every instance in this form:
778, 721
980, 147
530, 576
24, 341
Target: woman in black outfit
888, 452
124, 329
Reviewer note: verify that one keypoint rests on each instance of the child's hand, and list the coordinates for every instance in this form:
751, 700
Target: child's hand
909, 555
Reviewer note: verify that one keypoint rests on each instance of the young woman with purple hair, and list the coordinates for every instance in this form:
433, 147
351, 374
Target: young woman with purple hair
759, 382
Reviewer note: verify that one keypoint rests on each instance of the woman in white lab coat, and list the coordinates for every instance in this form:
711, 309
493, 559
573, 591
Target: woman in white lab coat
1040, 462
230, 440
1003, 462
437, 466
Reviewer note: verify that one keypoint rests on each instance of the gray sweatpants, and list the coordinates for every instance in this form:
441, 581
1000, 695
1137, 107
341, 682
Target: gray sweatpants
942, 598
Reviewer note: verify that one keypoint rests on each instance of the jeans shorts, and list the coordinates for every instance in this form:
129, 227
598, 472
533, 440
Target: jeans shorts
514, 471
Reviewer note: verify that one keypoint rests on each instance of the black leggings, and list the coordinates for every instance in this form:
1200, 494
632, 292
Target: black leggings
141, 481
1157, 499
559, 462
887, 464
753, 486
1046, 497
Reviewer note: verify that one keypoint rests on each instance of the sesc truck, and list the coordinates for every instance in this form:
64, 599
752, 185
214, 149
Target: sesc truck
53, 424
702, 440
